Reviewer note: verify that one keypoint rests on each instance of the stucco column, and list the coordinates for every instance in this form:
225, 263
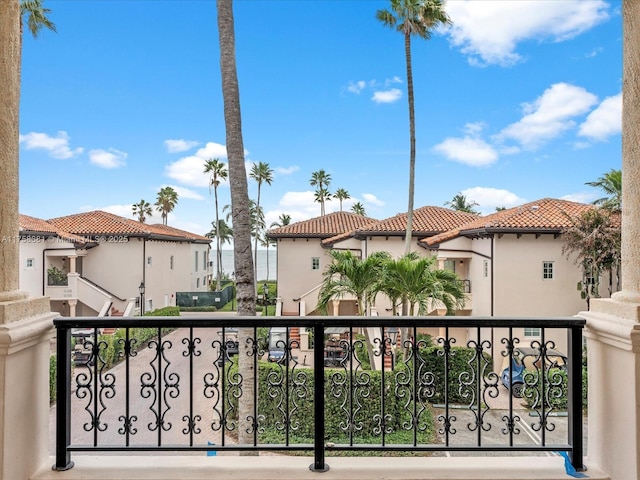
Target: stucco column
72, 307
25, 323
613, 325
336, 307
72, 264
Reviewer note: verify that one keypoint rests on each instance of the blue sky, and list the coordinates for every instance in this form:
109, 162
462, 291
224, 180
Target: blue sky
517, 101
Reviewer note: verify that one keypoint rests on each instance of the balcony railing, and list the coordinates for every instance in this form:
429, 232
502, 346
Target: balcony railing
174, 384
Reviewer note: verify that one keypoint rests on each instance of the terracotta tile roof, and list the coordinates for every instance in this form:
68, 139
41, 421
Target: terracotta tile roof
329, 225
104, 223
38, 226
547, 215
427, 220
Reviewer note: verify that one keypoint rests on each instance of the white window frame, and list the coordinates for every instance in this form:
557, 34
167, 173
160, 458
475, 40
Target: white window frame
171, 262
532, 332
548, 270
149, 261
315, 263
196, 260
31, 263
485, 269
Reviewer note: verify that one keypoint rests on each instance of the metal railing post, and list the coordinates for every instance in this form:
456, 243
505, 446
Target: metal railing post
574, 379
318, 464
63, 399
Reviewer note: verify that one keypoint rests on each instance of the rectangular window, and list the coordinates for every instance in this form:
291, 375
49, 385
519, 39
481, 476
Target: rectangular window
532, 332
171, 262
547, 270
196, 261
485, 268
30, 262
450, 265
315, 263
197, 282
149, 261
204, 262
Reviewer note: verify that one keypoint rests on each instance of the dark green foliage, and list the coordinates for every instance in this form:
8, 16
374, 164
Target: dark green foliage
112, 346
164, 312
198, 309
362, 388
555, 389
53, 365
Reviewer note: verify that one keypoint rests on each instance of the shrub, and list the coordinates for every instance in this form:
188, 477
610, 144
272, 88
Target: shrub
164, 312
199, 309
53, 365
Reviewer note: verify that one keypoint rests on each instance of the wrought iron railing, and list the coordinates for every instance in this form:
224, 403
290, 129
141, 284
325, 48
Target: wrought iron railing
186, 384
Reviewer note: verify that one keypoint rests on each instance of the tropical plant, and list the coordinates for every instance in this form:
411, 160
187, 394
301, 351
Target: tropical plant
261, 173
243, 263
321, 180
358, 209
224, 232
420, 18
218, 172
350, 275
611, 184
36, 16
166, 201
460, 203
283, 220
594, 237
340, 195
142, 209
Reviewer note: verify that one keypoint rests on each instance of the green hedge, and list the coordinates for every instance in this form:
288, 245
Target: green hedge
557, 396
367, 408
53, 365
198, 309
164, 312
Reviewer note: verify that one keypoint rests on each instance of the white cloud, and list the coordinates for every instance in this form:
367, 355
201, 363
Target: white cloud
185, 193
391, 81
549, 116
58, 146
489, 31
300, 205
356, 87
190, 170
110, 158
372, 199
286, 170
467, 150
175, 146
488, 199
387, 96
121, 210
581, 197
604, 121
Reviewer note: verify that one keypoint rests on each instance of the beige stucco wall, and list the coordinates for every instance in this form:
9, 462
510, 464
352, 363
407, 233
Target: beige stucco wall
295, 275
32, 278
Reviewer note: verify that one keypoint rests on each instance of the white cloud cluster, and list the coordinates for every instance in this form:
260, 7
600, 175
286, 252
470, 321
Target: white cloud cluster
372, 199
110, 158
387, 96
489, 31
57, 146
549, 116
488, 199
179, 145
468, 150
286, 170
190, 170
604, 121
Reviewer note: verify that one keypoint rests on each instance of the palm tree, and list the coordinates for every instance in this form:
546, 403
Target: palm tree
218, 172
243, 263
166, 202
283, 220
37, 16
322, 195
358, 209
611, 184
11, 18
142, 209
341, 194
413, 17
224, 232
261, 173
321, 180
460, 203
349, 275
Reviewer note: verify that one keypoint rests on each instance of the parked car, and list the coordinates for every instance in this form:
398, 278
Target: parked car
231, 344
526, 358
277, 341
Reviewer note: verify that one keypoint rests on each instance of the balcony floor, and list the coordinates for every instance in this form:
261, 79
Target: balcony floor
273, 467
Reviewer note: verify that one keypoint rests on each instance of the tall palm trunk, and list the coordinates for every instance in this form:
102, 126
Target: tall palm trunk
241, 219
255, 242
9, 113
218, 243
412, 140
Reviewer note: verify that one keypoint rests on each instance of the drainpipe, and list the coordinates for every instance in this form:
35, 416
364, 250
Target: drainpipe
492, 305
